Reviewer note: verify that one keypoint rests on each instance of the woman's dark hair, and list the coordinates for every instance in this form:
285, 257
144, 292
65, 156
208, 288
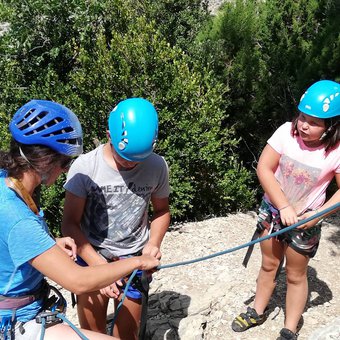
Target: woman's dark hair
331, 136
32, 157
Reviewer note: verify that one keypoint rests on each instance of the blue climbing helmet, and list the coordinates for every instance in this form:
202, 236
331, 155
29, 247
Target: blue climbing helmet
48, 123
133, 126
321, 100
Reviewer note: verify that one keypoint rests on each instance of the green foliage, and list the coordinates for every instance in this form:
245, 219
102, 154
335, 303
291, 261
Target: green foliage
178, 21
89, 55
51, 202
267, 53
220, 93
188, 100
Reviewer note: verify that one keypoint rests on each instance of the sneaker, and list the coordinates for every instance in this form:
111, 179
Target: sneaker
286, 334
246, 320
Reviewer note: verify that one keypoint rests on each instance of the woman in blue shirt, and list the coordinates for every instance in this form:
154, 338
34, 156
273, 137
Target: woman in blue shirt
46, 138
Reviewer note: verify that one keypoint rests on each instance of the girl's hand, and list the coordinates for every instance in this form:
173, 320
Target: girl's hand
310, 223
68, 245
288, 216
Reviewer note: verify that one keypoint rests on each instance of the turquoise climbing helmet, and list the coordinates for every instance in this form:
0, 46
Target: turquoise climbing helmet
133, 126
48, 123
321, 100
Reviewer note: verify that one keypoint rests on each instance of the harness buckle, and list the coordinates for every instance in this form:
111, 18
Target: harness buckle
49, 317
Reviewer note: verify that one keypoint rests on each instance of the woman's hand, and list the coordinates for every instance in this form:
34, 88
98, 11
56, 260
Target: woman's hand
68, 245
148, 263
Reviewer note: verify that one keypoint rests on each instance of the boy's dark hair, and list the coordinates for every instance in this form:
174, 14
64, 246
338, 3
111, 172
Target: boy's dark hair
331, 136
38, 157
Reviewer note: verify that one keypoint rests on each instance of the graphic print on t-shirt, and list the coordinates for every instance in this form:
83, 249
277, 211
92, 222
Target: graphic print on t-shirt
128, 213
297, 180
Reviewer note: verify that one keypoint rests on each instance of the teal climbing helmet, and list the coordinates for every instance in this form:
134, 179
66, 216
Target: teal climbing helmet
321, 100
133, 126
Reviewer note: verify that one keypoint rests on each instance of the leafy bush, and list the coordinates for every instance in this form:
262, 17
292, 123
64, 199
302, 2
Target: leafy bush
90, 55
267, 53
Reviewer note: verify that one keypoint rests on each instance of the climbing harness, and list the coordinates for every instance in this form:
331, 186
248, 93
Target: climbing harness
268, 219
7, 302
305, 242
14, 303
139, 281
53, 311
54, 306
135, 286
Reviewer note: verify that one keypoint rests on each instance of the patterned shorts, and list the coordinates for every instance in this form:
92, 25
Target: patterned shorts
305, 242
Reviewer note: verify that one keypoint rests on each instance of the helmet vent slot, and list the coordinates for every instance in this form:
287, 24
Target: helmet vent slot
36, 119
59, 132
73, 141
28, 114
25, 122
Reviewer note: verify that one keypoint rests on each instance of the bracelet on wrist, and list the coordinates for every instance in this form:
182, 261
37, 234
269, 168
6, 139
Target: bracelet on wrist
286, 206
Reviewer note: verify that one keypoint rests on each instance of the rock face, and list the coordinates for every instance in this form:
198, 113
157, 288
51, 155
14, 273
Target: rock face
199, 301
214, 5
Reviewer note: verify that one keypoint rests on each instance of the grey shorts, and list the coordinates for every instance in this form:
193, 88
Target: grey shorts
30, 330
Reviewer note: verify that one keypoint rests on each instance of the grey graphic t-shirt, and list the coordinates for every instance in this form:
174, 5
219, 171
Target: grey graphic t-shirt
116, 211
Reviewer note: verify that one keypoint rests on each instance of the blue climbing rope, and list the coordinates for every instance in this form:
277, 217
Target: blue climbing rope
333, 208
61, 316
122, 300
81, 335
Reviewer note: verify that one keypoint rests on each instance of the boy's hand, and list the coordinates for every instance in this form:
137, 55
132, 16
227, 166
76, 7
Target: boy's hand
113, 290
152, 250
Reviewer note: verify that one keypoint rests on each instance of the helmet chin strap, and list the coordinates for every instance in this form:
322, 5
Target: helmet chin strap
323, 136
43, 177
329, 129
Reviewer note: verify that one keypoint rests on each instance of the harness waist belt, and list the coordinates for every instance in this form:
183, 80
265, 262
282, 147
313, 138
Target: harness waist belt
16, 302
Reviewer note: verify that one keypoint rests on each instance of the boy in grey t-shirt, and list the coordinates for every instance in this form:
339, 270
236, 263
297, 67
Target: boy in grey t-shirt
108, 192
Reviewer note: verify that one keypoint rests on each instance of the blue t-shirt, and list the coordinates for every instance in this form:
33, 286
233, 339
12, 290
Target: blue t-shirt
23, 236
